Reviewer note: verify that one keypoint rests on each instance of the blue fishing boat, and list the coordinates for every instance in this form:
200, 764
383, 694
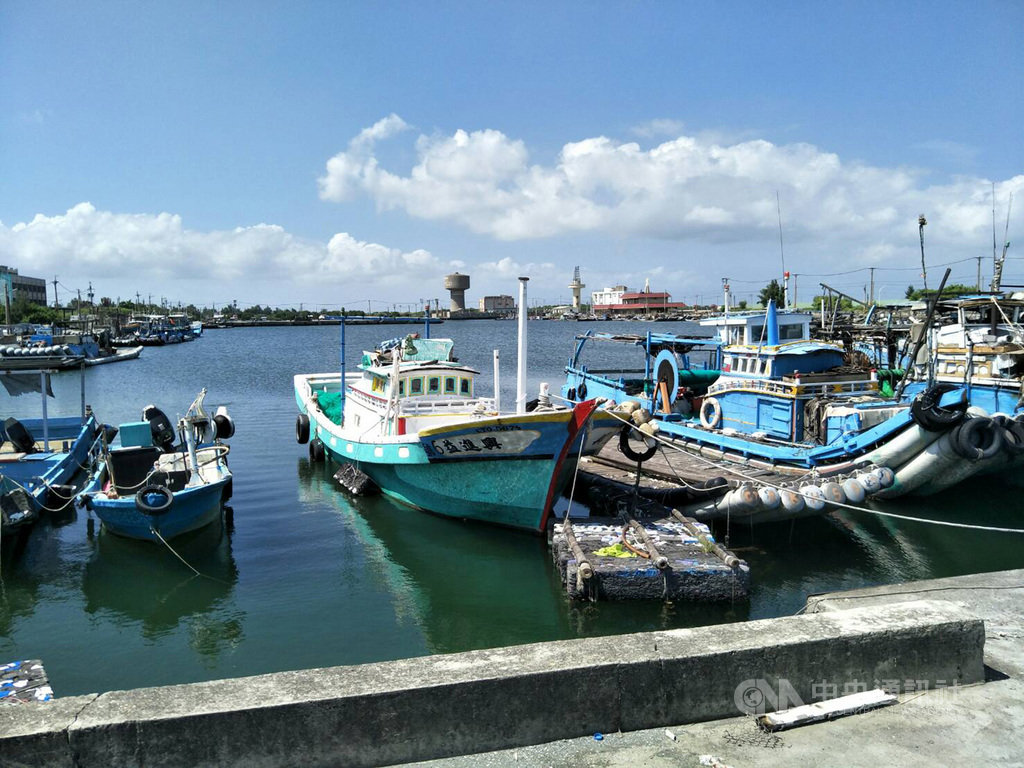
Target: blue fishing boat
40, 457
412, 421
977, 344
146, 487
766, 393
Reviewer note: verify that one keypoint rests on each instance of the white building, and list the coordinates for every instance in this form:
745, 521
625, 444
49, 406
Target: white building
497, 304
608, 296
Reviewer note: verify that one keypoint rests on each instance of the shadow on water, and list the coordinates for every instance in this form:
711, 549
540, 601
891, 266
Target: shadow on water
145, 584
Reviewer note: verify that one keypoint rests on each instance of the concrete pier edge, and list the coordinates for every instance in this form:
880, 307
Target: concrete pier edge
463, 703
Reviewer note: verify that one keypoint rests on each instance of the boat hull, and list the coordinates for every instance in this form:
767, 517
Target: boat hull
191, 509
503, 470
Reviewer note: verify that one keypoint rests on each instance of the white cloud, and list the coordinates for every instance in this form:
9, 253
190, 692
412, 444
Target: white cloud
687, 188
659, 127
124, 253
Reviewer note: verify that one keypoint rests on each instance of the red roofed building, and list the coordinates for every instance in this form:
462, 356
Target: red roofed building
621, 301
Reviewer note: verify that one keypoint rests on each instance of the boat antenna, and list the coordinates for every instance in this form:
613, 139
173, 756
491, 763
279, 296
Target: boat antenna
782, 252
921, 222
997, 272
994, 259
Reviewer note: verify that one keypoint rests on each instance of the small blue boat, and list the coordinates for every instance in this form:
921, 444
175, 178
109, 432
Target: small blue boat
40, 457
148, 488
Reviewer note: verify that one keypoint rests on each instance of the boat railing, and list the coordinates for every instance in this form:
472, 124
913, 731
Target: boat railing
420, 407
770, 386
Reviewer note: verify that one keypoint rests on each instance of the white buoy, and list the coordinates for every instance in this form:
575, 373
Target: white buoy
832, 492
769, 497
814, 499
870, 482
791, 501
886, 477
855, 492
742, 499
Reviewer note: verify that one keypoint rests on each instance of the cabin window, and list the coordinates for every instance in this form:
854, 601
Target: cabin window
433, 385
791, 332
449, 385
378, 384
416, 386
464, 386
401, 387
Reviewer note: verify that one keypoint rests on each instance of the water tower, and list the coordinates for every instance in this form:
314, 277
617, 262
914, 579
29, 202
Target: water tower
457, 285
576, 286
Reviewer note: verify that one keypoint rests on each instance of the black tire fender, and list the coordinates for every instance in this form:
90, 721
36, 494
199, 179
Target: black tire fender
926, 411
1014, 437
154, 499
302, 429
627, 450
977, 438
316, 451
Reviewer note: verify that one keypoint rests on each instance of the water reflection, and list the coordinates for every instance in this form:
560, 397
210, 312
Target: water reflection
144, 584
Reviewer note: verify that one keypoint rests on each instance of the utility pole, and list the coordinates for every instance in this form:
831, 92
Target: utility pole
56, 304
871, 293
978, 286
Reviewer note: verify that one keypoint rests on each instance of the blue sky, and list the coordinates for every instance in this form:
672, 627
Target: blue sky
329, 153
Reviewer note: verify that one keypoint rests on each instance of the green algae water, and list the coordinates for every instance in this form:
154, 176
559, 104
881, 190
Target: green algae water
304, 576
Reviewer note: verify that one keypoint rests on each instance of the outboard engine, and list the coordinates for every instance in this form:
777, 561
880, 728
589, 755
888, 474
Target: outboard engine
161, 427
224, 424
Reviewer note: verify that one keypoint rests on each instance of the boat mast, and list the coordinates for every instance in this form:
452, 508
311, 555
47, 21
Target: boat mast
342, 387
521, 362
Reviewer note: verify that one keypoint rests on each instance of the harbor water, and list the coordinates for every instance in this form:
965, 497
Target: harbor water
303, 576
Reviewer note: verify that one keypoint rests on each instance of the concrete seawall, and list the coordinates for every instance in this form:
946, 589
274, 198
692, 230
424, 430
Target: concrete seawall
419, 709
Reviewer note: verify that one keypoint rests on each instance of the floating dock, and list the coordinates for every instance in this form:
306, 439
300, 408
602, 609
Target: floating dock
657, 555
24, 681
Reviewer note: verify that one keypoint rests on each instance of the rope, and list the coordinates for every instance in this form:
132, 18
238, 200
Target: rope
163, 541
670, 444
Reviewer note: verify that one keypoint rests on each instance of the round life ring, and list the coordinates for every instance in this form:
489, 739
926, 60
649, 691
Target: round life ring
302, 429
710, 413
154, 499
927, 412
627, 449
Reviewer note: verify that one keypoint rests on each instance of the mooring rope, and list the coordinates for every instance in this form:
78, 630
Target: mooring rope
188, 565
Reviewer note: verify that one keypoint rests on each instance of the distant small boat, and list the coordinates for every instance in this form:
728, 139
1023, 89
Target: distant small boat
119, 354
147, 488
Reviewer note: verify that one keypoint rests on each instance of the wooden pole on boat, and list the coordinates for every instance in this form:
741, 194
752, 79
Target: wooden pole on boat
81, 377
341, 384
917, 344
497, 382
46, 422
521, 363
